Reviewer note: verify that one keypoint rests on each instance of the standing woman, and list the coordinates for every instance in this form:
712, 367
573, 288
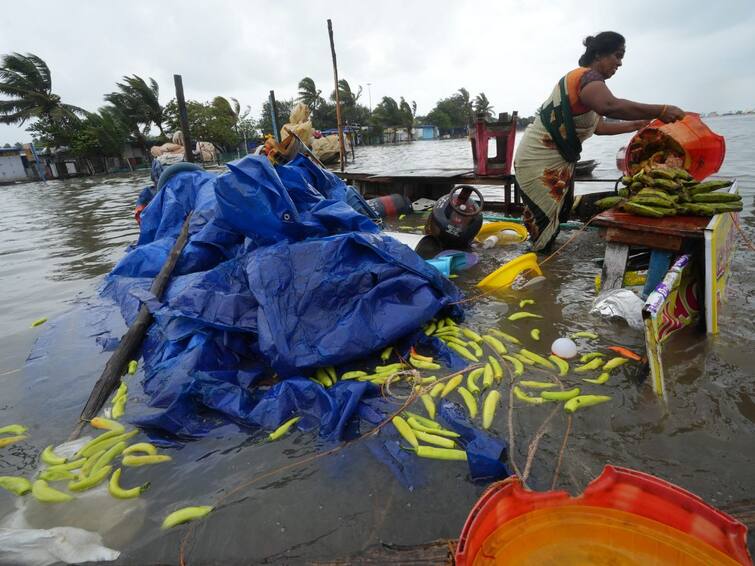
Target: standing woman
551, 146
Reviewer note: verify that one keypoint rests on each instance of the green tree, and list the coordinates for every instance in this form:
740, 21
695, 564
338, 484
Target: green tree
101, 134
309, 94
453, 112
139, 102
208, 122
232, 108
482, 106
27, 82
407, 112
282, 110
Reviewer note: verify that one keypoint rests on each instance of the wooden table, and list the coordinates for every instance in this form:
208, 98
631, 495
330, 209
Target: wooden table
662, 235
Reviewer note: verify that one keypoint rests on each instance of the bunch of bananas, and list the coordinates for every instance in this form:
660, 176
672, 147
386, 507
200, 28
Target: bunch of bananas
668, 191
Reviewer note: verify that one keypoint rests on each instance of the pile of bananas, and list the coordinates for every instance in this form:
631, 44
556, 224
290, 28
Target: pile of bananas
668, 191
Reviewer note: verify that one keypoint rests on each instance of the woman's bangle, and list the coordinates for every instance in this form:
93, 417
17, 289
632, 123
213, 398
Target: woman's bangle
663, 111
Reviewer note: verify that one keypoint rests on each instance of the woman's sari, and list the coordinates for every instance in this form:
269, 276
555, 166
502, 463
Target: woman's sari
546, 156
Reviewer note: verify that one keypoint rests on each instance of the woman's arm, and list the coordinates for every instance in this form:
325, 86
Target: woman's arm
597, 97
612, 128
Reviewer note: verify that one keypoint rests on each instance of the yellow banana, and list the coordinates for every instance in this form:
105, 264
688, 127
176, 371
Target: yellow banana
8, 440
118, 492
522, 396
185, 515
584, 358
16, 485
518, 366
108, 456
600, 380
107, 424
495, 343
487, 376
469, 401
434, 439
471, 384
540, 360
451, 384
523, 314
471, 334
135, 461
497, 369
524, 359
489, 407
50, 458
584, 401
144, 447
614, 363
441, 453
462, 351
423, 365
282, 429
105, 441
417, 425
429, 404
14, 429
437, 389
430, 423
537, 384
560, 395
390, 368
563, 365
476, 348
405, 430
591, 365
89, 464
508, 337
56, 474
90, 481
75, 465
46, 494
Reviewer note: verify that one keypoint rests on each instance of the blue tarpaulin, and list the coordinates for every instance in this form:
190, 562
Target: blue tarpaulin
282, 274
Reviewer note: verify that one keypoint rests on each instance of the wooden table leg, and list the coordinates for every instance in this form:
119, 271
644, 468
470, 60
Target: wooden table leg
614, 265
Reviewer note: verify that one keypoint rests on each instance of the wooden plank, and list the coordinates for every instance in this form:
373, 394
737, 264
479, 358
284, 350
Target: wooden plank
431, 554
614, 265
682, 226
644, 239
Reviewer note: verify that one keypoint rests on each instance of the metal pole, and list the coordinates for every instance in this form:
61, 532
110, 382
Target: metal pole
183, 116
274, 117
369, 95
341, 148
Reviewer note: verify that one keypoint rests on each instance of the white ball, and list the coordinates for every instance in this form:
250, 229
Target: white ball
564, 348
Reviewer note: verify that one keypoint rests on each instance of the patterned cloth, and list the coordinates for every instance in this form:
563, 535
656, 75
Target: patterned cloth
546, 156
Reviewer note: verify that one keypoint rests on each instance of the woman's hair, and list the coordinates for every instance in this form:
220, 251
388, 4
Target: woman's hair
604, 43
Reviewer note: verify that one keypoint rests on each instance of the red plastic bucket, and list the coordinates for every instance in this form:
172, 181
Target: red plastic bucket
704, 150
621, 513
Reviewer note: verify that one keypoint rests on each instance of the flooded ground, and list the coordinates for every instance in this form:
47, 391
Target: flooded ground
59, 238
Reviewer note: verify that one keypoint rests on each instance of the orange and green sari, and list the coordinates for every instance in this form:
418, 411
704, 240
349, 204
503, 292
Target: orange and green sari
546, 156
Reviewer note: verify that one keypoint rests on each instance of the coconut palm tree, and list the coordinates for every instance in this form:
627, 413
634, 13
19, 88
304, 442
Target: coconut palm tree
26, 80
309, 94
139, 101
232, 108
482, 106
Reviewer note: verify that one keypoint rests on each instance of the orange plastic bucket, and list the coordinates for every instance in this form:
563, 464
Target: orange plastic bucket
623, 517
704, 149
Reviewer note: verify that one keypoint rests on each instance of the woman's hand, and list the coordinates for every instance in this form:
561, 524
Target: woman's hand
671, 114
639, 124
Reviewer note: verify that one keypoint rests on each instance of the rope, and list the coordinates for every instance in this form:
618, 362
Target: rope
741, 232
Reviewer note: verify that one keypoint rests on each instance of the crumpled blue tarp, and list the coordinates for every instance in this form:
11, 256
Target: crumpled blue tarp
279, 276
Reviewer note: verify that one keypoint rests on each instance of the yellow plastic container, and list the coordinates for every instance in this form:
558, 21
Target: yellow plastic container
490, 228
505, 275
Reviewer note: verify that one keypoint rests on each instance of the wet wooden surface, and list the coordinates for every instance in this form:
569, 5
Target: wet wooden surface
436, 553
671, 226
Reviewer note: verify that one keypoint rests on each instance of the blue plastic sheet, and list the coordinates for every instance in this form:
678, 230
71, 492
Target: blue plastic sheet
281, 274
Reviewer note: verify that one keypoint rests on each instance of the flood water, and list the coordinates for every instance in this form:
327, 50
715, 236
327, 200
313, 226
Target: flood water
59, 239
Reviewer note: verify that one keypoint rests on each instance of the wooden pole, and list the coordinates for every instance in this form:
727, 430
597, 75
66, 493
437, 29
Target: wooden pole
132, 339
341, 148
274, 117
183, 116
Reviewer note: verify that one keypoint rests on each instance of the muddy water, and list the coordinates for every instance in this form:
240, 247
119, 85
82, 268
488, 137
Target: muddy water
59, 238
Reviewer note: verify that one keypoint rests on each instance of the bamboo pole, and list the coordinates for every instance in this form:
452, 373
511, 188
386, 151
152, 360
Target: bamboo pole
341, 148
132, 339
183, 116
274, 117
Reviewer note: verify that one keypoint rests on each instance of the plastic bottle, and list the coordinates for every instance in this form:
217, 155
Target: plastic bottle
502, 237
490, 241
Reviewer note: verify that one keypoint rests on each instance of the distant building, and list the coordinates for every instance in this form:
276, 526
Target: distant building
427, 132
12, 166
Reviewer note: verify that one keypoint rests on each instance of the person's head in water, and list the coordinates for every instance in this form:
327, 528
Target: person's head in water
603, 52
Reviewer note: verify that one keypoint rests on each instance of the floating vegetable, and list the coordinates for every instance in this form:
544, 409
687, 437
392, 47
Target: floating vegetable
524, 302
563, 365
104, 441
16, 485
46, 494
591, 356
135, 461
108, 456
391, 368
15, 429
469, 401
91, 481
119, 493
476, 348
497, 369
8, 440
626, 352
430, 329
535, 333
560, 395
405, 430
132, 367
489, 407
353, 375
430, 423
56, 474
386, 354
524, 359
437, 389
614, 363
522, 396
471, 334
39, 322
441, 453
591, 365
417, 356
417, 425
50, 458
508, 337
119, 407
75, 465
434, 439
451, 384
600, 380
518, 366
463, 352
107, 424
523, 314
583, 334
471, 384
494, 343
487, 376
584, 401
185, 515
281, 430
537, 384
540, 360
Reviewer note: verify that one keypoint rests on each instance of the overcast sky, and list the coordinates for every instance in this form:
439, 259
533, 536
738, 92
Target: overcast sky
696, 54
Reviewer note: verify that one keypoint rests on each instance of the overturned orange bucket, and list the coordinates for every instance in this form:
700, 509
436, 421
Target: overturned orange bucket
624, 517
